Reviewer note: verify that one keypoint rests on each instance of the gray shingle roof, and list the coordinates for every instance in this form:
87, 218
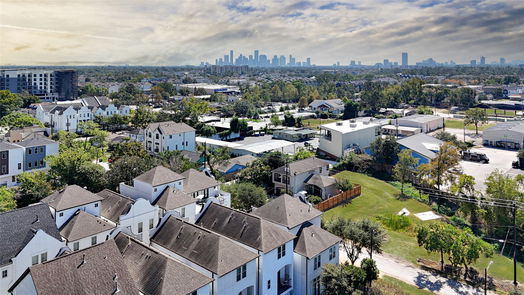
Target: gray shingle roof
242, 227
287, 211
172, 198
96, 270
196, 181
242, 160
312, 240
322, 180
82, 225
201, 246
516, 126
170, 127
4, 146
114, 205
302, 166
155, 273
159, 175
421, 143
17, 228
36, 141
69, 197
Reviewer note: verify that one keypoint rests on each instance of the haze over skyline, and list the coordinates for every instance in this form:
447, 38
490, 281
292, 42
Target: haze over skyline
166, 32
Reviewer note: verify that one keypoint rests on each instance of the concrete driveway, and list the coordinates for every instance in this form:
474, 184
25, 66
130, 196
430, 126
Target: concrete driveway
498, 159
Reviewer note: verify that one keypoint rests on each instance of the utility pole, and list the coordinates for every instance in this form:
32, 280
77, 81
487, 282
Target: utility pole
515, 245
371, 246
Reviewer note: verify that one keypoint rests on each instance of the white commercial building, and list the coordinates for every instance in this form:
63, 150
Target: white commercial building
508, 135
338, 137
426, 123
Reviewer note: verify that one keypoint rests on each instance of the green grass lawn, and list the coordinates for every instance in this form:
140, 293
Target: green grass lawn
379, 198
392, 286
500, 112
314, 123
459, 124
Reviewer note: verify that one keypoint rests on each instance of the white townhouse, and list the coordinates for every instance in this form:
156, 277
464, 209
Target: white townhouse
150, 184
313, 248
169, 136
178, 203
138, 217
64, 203
83, 230
203, 187
99, 269
232, 267
311, 175
339, 137
11, 163
157, 273
273, 245
332, 106
29, 236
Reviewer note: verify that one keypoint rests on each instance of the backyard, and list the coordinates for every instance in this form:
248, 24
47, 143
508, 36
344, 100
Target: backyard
379, 198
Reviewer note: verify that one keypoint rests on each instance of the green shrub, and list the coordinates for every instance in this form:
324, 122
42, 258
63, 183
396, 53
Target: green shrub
344, 184
395, 222
411, 192
314, 199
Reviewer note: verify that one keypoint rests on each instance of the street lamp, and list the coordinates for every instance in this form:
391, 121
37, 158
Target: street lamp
486, 278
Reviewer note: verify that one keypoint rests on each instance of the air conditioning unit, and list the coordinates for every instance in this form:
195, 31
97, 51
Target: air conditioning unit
339, 123
352, 121
353, 125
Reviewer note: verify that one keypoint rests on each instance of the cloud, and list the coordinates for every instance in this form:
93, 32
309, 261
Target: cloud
166, 32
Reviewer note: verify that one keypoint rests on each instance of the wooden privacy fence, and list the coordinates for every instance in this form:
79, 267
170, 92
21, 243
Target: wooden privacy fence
339, 199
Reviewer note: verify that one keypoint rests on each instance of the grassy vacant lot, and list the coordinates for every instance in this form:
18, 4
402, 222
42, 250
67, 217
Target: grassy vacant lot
459, 124
379, 198
392, 286
314, 123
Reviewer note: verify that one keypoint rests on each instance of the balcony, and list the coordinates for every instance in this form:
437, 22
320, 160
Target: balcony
284, 283
284, 286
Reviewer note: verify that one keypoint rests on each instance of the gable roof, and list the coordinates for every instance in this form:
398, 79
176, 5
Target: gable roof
18, 227
244, 228
196, 181
312, 240
82, 225
170, 127
172, 198
242, 161
69, 197
211, 251
155, 273
302, 166
159, 175
95, 270
114, 205
422, 143
287, 211
334, 103
36, 140
4, 146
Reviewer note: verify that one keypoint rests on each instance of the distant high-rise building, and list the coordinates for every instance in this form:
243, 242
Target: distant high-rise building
275, 61
263, 60
352, 63
502, 61
386, 63
226, 59
282, 61
473, 62
308, 61
231, 56
251, 60
482, 60
404, 59
256, 58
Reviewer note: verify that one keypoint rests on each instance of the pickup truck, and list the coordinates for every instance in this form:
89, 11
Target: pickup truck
475, 157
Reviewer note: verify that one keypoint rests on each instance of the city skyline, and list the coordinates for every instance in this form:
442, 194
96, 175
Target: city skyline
187, 32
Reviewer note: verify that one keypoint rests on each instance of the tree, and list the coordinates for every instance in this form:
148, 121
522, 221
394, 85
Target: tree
127, 149
92, 90
351, 234
374, 235
385, 150
7, 200
289, 120
175, 161
275, 121
343, 279
303, 102
344, 184
74, 166
466, 248
19, 120
129, 94
216, 157
351, 109
465, 186
245, 195
405, 168
436, 237
370, 269
196, 108
9, 102
28, 99
476, 116
207, 130
302, 153
127, 168
443, 168
34, 186
142, 116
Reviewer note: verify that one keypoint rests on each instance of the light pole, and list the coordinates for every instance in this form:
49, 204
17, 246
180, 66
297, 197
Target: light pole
486, 278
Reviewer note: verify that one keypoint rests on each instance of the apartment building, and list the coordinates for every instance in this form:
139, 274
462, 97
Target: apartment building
49, 85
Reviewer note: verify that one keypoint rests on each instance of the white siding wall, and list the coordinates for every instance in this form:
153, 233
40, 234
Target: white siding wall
270, 265
92, 208
340, 141
141, 211
86, 242
25, 287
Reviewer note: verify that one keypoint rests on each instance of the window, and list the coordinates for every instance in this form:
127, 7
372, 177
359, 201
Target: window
277, 177
269, 284
61, 214
155, 189
4, 273
96, 205
29, 151
36, 150
43, 257
316, 286
41, 162
34, 260
332, 252
241, 272
316, 262
41, 149
151, 223
4, 155
93, 240
29, 164
19, 166
281, 251
183, 212
75, 246
140, 227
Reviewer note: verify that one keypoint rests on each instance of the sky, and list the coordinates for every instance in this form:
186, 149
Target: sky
182, 32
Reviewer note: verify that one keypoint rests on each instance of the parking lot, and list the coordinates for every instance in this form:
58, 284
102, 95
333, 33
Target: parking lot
498, 159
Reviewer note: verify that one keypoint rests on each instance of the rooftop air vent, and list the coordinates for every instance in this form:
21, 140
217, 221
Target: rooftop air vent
353, 125
339, 123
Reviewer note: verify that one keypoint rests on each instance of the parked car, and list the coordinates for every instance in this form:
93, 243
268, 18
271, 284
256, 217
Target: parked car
475, 157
